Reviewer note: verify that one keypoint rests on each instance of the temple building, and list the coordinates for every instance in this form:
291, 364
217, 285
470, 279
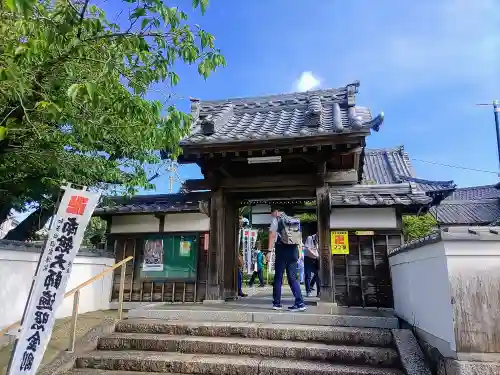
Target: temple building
295, 150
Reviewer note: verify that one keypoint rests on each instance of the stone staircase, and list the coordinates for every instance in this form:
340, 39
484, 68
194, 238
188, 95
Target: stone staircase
145, 346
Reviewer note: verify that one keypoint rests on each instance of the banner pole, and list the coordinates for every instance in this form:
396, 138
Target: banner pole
56, 207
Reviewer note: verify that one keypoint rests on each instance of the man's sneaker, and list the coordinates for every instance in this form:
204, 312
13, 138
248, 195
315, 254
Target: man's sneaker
277, 307
243, 295
300, 307
308, 294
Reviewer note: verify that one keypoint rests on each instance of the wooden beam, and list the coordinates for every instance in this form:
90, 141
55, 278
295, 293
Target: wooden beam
216, 245
197, 184
325, 253
290, 194
321, 173
346, 176
269, 182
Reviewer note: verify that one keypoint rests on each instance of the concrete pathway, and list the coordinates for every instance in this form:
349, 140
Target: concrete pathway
60, 336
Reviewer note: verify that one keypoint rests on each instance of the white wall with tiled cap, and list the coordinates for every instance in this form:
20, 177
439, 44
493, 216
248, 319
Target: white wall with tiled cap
422, 294
187, 222
447, 285
17, 268
370, 218
134, 224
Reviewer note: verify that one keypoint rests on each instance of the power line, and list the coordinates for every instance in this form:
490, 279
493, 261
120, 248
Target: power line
454, 166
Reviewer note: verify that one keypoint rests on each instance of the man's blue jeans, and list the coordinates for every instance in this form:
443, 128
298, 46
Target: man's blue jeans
286, 260
240, 282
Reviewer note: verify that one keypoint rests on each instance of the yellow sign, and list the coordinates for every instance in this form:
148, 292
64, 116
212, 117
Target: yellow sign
340, 243
365, 233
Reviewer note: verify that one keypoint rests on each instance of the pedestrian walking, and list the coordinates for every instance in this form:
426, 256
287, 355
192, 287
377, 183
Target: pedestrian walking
311, 265
284, 235
258, 268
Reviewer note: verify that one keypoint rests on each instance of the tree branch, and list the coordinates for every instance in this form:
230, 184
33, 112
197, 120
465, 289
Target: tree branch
82, 14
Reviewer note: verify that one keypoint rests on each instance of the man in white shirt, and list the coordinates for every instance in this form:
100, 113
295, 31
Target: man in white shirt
311, 264
286, 260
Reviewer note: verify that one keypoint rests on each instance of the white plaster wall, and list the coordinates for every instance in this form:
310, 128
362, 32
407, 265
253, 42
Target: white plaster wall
370, 218
134, 224
474, 275
186, 222
16, 274
422, 293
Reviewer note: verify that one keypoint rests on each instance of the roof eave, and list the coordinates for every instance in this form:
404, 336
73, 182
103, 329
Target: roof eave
275, 141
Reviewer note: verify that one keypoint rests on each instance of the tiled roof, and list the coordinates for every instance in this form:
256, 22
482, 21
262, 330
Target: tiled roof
392, 166
481, 212
152, 204
403, 194
294, 115
386, 165
476, 205
476, 192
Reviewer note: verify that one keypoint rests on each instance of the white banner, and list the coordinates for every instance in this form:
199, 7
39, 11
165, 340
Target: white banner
272, 260
65, 236
249, 237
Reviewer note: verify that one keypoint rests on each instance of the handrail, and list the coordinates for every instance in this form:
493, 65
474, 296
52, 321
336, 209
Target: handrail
75, 290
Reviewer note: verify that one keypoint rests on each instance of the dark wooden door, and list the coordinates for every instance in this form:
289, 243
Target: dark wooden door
363, 278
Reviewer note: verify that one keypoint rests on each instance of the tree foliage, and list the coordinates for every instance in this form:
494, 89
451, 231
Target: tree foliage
418, 226
95, 233
73, 87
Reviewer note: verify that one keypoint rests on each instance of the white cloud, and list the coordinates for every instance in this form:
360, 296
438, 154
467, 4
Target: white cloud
307, 81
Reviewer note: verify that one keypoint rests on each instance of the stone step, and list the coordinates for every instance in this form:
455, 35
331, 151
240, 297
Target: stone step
289, 332
161, 362
93, 371
268, 316
361, 355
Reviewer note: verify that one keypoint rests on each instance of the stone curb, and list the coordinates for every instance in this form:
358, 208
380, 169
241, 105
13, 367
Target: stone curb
456, 367
410, 353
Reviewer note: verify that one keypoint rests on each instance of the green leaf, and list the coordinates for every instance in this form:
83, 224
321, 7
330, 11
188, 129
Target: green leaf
20, 50
11, 4
174, 78
145, 22
3, 133
91, 89
73, 91
138, 12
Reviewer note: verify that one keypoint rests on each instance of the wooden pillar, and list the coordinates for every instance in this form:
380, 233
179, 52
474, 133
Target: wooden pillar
215, 251
230, 248
325, 256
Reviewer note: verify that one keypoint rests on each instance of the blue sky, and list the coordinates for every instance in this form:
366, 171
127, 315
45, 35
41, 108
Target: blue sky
424, 64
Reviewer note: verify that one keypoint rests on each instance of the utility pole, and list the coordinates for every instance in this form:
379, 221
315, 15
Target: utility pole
496, 114
173, 175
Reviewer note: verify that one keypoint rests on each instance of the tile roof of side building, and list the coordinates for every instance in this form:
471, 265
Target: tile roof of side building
294, 115
482, 212
476, 205
393, 166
